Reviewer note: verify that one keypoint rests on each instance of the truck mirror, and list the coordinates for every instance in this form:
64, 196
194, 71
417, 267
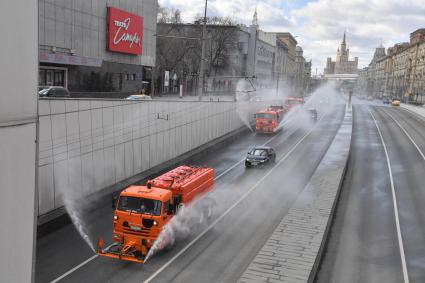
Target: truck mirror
114, 200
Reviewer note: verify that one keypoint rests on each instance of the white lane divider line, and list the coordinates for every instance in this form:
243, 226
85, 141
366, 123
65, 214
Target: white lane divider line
76, 267
413, 113
407, 134
397, 220
149, 279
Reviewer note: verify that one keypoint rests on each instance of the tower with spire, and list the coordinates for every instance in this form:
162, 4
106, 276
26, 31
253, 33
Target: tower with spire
255, 19
342, 64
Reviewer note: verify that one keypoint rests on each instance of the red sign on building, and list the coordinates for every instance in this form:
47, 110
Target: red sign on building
125, 32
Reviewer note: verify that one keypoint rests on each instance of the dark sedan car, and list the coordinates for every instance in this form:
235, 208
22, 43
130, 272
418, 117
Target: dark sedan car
260, 156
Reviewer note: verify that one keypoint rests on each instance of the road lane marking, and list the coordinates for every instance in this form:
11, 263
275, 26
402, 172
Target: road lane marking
216, 178
77, 267
150, 278
397, 220
413, 113
407, 134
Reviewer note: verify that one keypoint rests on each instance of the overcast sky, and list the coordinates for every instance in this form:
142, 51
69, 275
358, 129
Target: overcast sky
319, 25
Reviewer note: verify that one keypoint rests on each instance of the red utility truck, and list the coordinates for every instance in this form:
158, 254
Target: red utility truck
292, 102
267, 121
142, 211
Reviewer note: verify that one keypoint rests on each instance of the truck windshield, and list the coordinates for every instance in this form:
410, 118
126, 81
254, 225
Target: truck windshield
293, 102
140, 205
265, 116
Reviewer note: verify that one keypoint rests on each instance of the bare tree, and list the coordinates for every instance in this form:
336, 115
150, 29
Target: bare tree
222, 39
169, 16
179, 51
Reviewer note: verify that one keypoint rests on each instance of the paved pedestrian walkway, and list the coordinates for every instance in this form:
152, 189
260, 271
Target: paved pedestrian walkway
420, 110
293, 251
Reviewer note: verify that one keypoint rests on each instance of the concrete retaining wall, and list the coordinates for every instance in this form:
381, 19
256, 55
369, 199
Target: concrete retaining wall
88, 145
18, 117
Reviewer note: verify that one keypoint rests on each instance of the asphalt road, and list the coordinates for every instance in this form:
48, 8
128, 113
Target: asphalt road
223, 253
363, 245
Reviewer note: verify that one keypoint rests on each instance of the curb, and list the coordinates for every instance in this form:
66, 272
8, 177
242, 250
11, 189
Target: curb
414, 110
325, 238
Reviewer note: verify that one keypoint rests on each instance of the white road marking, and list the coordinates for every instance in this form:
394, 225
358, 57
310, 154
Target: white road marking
407, 134
397, 220
216, 178
232, 207
76, 267
413, 113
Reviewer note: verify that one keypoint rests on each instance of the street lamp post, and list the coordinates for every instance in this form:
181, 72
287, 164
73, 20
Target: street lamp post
201, 67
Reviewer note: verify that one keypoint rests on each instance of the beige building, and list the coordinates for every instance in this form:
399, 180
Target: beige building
291, 43
361, 83
401, 73
342, 64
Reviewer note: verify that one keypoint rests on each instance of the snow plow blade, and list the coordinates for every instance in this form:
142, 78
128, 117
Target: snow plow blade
117, 251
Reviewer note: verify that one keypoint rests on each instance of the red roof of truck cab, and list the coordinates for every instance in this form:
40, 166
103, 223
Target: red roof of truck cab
143, 191
270, 111
299, 99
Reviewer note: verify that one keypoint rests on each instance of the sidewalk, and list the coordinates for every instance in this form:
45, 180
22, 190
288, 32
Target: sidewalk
420, 110
294, 250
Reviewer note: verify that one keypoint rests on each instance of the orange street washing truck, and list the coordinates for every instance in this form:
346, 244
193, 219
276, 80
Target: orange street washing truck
293, 102
267, 121
142, 211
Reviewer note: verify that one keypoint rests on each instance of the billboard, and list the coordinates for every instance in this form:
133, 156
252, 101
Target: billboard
125, 32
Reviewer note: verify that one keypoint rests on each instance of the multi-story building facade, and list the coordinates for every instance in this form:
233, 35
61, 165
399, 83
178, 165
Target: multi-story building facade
342, 64
299, 81
401, 72
246, 52
97, 47
361, 83
291, 44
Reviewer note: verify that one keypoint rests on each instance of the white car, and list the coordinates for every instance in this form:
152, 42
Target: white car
139, 97
54, 91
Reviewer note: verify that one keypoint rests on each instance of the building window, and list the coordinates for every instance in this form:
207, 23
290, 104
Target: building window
127, 77
52, 76
133, 77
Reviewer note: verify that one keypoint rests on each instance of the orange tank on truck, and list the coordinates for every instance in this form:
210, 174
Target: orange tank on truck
267, 121
142, 211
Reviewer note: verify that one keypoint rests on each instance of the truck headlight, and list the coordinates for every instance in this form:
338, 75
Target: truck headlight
155, 223
115, 217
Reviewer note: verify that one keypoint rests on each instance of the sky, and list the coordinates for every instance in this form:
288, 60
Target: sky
319, 25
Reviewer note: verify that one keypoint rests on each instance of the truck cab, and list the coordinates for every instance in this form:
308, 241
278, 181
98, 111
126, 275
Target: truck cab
140, 215
292, 102
267, 121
